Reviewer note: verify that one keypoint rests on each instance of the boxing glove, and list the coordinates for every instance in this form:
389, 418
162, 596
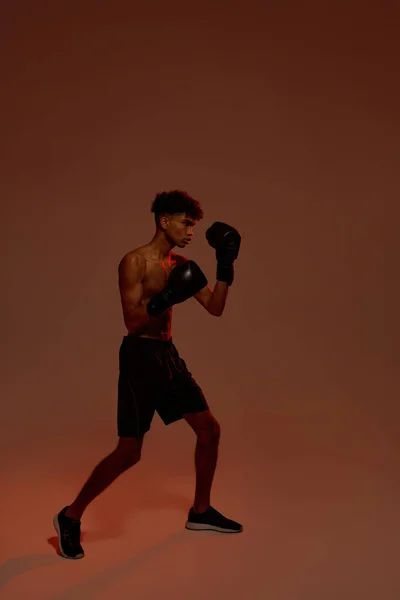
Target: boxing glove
226, 242
184, 282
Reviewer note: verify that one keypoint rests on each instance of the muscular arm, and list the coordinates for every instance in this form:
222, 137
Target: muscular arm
212, 300
131, 271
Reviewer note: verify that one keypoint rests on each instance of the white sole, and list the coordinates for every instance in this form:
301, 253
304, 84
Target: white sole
57, 528
205, 527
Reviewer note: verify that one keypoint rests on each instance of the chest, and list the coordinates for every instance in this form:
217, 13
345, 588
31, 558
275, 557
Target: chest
156, 276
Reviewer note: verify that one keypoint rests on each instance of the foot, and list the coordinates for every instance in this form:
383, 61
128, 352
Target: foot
211, 519
69, 533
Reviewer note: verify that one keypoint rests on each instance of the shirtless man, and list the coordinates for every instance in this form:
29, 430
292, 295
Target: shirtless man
152, 375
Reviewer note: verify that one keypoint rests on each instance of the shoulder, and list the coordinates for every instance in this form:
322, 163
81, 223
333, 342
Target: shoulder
179, 259
132, 261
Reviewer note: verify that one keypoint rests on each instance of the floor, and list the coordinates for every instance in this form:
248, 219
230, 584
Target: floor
318, 498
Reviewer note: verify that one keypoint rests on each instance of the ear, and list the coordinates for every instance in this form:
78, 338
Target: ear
164, 222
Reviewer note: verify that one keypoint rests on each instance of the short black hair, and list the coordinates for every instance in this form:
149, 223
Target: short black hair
176, 201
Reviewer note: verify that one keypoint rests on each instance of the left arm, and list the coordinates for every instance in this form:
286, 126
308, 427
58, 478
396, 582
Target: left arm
226, 240
213, 300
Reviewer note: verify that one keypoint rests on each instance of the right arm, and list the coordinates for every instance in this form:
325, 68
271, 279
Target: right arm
131, 272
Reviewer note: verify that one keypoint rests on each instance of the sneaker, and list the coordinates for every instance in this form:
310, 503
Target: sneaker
69, 533
211, 519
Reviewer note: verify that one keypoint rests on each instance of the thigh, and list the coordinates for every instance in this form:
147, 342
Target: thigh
135, 409
186, 398
183, 395
138, 390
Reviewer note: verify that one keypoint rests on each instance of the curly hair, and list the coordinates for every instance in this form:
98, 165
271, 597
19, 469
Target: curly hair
176, 201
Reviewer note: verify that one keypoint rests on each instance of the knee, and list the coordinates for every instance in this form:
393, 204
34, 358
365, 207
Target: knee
210, 433
129, 453
129, 460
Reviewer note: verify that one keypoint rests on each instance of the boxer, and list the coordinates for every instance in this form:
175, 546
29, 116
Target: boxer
153, 377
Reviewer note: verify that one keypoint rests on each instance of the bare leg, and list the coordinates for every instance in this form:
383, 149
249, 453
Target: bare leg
207, 430
202, 515
126, 455
206, 456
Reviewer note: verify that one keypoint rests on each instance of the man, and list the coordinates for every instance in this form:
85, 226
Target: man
153, 377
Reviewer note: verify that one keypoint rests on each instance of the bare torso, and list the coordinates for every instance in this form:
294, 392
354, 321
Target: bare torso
156, 273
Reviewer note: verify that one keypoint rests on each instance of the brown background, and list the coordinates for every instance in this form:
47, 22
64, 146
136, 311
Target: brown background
282, 120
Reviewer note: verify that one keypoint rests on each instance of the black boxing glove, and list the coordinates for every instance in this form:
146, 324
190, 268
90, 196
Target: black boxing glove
226, 242
184, 282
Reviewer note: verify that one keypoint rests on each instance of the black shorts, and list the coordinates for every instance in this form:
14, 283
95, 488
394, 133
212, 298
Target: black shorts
153, 378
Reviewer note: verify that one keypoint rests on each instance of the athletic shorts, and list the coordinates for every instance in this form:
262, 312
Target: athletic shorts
153, 378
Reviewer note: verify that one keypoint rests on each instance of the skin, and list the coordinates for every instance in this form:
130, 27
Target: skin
143, 272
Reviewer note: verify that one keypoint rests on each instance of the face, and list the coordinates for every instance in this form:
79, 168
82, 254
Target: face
179, 229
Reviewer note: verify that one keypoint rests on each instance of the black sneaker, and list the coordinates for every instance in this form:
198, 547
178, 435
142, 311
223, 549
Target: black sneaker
69, 534
211, 519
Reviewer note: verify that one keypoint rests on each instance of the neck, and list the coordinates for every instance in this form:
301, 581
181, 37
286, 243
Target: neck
161, 246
